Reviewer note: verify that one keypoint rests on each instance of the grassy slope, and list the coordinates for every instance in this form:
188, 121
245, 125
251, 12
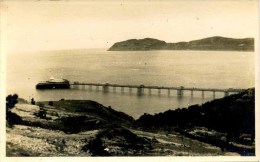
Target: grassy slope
71, 127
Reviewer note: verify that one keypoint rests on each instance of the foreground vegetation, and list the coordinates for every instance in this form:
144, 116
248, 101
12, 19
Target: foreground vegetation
232, 117
87, 128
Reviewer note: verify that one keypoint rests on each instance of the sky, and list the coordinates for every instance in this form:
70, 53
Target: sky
54, 25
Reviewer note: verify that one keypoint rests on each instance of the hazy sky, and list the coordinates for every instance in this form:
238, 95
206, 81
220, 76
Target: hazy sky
48, 25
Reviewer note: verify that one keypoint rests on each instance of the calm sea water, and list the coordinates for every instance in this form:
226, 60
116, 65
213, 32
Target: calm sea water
205, 69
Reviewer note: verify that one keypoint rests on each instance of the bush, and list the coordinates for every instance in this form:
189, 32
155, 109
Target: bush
50, 103
11, 100
12, 118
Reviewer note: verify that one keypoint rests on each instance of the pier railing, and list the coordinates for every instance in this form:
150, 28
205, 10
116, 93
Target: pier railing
140, 88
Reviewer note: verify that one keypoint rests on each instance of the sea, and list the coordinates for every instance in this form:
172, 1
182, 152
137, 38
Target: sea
199, 69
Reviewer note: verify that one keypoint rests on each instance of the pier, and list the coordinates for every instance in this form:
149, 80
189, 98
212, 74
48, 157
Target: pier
140, 88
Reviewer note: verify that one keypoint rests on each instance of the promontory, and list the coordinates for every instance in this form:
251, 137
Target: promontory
215, 43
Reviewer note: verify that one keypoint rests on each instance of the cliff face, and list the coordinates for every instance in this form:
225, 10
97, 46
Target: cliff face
212, 43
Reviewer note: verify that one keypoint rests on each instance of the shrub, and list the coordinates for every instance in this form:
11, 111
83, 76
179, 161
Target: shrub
12, 118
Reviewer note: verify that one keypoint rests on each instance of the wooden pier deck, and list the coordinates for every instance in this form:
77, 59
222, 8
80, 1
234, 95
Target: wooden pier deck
140, 88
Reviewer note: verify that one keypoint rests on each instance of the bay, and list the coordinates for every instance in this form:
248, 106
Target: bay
200, 69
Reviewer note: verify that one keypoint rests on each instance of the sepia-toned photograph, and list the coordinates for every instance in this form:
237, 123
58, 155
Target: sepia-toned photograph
121, 78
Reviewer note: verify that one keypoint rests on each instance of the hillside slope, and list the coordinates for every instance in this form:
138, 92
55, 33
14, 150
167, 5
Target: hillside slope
87, 128
228, 122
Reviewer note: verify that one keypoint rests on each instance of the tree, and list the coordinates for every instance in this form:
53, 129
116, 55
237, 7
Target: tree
11, 100
12, 118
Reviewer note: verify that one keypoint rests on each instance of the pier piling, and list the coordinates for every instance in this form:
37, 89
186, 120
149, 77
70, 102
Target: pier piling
105, 88
226, 93
140, 88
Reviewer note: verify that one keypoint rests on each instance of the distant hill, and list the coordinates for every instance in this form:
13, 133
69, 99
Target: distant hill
216, 43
